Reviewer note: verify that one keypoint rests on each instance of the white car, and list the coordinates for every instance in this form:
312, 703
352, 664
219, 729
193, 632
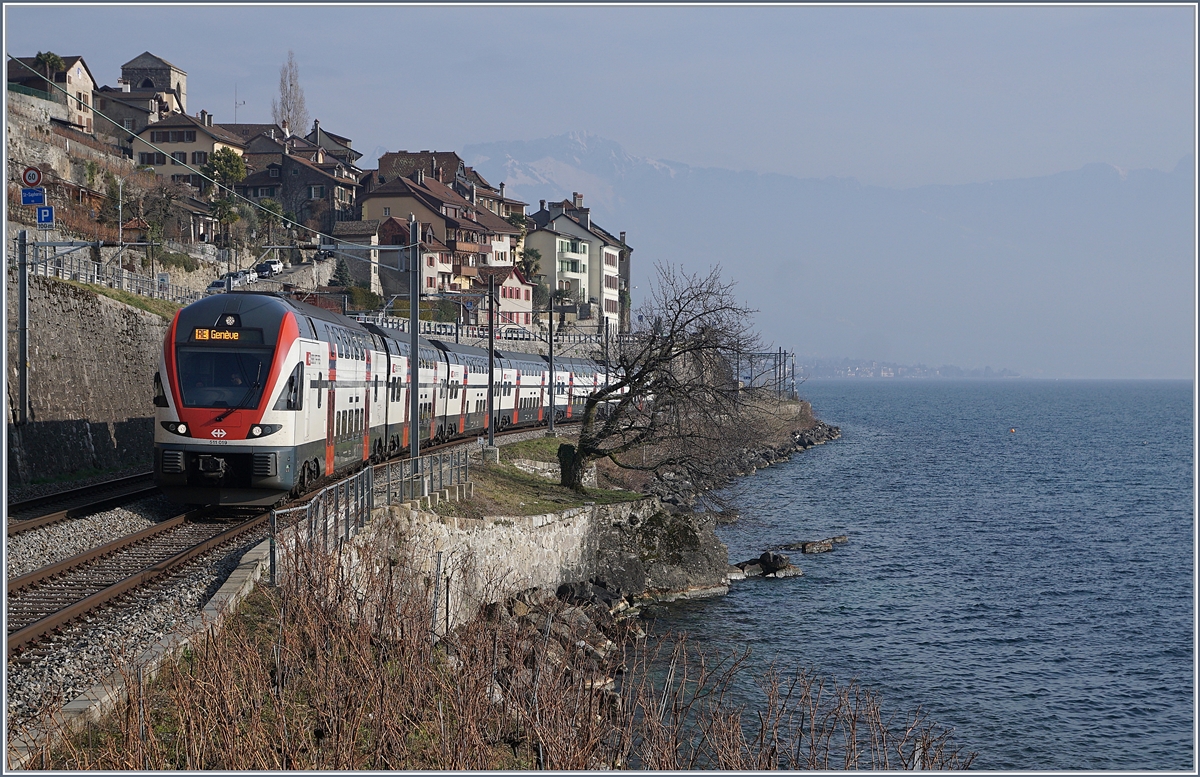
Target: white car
276, 266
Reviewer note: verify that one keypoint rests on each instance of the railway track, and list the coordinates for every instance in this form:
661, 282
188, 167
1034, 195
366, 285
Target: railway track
45, 510
47, 599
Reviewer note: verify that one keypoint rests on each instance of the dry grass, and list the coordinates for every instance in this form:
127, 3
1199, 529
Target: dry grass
337, 671
502, 489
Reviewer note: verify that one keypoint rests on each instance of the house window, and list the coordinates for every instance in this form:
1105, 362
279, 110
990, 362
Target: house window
295, 171
265, 191
179, 158
430, 282
527, 296
316, 192
429, 260
127, 124
274, 172
199, 157
152, 158
387, 211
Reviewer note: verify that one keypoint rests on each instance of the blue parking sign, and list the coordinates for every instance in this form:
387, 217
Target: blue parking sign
45, 215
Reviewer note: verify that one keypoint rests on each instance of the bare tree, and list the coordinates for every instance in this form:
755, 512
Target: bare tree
673, 403
290, 106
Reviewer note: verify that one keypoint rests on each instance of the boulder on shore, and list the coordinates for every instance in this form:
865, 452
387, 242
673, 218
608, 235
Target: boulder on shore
769, 564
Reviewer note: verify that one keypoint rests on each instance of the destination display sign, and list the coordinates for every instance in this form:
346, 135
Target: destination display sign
207, 335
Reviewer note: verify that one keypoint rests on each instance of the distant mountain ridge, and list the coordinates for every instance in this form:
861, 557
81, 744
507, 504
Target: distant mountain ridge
1086, 272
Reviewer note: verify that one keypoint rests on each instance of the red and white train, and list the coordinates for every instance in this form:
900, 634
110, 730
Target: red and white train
259, 396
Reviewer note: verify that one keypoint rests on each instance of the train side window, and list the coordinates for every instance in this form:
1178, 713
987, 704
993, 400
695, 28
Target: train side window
320, 382
160, 396
376, 389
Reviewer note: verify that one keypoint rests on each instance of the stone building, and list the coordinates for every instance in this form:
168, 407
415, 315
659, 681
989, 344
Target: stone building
146, 72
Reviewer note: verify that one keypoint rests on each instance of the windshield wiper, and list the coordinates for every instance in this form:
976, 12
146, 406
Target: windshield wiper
245, 397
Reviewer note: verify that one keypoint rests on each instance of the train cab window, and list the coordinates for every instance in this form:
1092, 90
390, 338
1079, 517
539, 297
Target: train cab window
160, 396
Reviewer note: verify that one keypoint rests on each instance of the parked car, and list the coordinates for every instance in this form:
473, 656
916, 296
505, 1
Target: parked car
239, 278
276, 266
251, 275
264, 270
216, 287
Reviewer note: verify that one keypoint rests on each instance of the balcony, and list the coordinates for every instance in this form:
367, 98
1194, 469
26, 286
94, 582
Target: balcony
468, 248
467, 270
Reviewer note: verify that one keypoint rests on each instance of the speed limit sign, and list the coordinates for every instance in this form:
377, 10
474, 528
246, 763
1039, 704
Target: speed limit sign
32, 176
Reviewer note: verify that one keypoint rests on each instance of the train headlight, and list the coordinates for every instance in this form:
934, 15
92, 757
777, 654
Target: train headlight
256, 431
174, 427
181, 429
262, 430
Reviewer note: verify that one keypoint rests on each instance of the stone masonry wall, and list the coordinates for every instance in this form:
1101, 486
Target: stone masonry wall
634, 549
91, 368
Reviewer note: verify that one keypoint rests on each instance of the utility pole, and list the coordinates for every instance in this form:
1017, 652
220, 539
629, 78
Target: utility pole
414, 348
23, 326
550, 428
491, 427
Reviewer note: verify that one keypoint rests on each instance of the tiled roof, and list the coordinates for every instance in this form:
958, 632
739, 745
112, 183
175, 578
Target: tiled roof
141, 58
403, 163
365, 227
184, 120
250, 130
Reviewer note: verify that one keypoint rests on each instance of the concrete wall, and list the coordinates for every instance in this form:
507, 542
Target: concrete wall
91, 368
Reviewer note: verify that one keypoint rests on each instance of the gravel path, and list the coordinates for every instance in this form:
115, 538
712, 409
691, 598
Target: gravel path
89, 650
40, 547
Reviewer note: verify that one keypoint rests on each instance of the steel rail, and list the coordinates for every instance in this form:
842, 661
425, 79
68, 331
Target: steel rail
54, 570
34, 631
125, 489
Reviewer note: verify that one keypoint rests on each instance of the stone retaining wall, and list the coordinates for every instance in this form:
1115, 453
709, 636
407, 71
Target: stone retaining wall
91, 368
634, 549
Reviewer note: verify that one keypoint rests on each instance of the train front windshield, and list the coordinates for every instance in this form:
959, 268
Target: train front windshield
219, 377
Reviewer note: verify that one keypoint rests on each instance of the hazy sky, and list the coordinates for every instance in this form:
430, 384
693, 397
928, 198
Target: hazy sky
893, 96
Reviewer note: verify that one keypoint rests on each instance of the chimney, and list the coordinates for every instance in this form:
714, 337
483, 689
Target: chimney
125, 87
420, 176
578, 198
502, 190
272, 133
542, 204
433, 168
208, 121
287, 133
204, 117
622, 238
472, 194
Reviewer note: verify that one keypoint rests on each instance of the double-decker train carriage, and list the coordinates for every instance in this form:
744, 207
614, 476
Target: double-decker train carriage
258, 396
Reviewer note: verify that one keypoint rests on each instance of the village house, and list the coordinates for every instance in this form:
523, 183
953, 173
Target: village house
184, 140
320, 192
474, 237
75, 86
514, 297
582, 260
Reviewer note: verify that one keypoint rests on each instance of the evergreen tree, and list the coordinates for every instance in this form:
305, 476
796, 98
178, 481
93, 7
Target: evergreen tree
341, 274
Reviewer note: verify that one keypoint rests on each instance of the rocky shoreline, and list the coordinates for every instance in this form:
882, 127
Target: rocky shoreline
674, 552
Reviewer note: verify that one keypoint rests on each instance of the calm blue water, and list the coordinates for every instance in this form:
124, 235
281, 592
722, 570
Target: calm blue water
1032, 590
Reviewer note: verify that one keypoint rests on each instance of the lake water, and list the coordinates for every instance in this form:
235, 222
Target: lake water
1033, 589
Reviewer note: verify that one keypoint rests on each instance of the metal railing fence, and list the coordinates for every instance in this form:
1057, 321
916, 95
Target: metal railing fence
339, 511
84, 269
407, 479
